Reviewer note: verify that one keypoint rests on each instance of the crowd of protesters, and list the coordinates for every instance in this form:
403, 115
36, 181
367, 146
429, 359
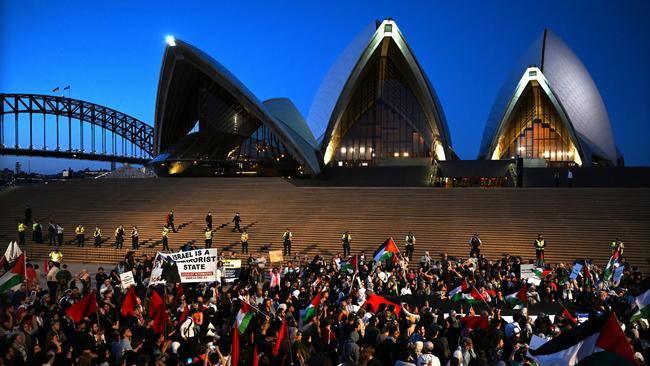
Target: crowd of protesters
422, 326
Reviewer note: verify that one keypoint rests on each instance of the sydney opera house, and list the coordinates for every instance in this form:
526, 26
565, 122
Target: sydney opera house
376, 107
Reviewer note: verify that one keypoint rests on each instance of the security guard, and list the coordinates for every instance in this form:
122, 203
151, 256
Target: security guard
617, 246
21, 233
56, 257
119, 237
346, 239
475, 244
286, 240
98, 237
165, 238
135, 238
208, 237
244, 242
79, 231
410, 245
37, 233
540, 245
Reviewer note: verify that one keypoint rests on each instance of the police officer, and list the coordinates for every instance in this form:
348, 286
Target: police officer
208, 220
135, 238
540, 245
165, 237
286, 239
410, 245
119, 237
51, 233
617, 246
244, 242
21, 233
98, 237
346, 239
236, 220
475, 245
170, 221
79, 231
37, 233
208, 237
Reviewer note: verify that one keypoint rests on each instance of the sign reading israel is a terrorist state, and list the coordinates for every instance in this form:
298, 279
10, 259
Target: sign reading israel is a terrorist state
196, 265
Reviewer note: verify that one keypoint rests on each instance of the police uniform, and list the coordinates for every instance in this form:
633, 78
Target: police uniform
286, 238
208, 237
21, 233
119, 237
165, 238
244, 242
617, 245
135, 238
540, 245
98, 238
80, 230
345, 242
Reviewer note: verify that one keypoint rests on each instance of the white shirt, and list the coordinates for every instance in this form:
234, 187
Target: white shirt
427, 359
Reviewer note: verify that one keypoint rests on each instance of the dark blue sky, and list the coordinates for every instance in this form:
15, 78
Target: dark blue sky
110, 52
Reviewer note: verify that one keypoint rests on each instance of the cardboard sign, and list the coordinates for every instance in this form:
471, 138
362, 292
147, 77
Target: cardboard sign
276, 256
527, 271
127, 279
231, 269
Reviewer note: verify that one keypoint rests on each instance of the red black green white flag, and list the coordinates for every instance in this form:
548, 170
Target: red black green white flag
462, 288
14, 277
472, 297
387, 251
599, 341
520, 298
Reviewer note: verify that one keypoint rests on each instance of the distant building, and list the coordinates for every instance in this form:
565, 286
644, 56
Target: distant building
550, 110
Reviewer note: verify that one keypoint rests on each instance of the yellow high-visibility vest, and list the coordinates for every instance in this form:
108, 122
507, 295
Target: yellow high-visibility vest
21, 227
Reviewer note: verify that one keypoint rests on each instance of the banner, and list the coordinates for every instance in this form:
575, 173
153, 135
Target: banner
577, 268
231, 269
526, 271
196, 265
127, 279
275, 256
618, 274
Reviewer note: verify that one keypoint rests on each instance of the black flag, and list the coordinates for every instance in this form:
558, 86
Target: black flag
67, 88
55, 90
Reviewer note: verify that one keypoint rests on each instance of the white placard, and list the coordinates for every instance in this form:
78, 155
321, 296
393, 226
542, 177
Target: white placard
526, 271
577, 268
196, 265
127, 279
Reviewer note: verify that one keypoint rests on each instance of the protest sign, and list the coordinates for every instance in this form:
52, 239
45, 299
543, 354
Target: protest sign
527, 271
231, 269
275, 256
127, 279
577, 268
618, 274
196, 265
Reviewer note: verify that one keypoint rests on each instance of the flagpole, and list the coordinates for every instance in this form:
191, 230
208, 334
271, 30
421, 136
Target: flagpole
164, 309
481, 296
254, 308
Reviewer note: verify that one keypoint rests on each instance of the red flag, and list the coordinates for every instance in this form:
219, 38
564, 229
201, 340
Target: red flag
284, 332
130, 301
376, 300
568, 315
45, 267
234, 354
473, 321
157, 313
256, 357
86, 307
186, 310
612, 339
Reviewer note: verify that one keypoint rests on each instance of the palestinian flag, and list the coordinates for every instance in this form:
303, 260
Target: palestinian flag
520, 298
643, 302
387, 251
472, 297
375, 301
462, 288
14, 277
244, 316
351, 264
609, 269
598, 341
541, 273
312, 309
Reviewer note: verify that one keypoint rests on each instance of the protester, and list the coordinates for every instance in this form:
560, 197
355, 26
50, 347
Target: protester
313, 312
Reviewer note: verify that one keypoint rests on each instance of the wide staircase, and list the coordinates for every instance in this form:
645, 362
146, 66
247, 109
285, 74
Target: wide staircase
577, 223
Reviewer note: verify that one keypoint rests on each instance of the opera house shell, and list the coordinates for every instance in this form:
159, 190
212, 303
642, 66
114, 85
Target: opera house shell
208, 123
377, 106
550, 110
